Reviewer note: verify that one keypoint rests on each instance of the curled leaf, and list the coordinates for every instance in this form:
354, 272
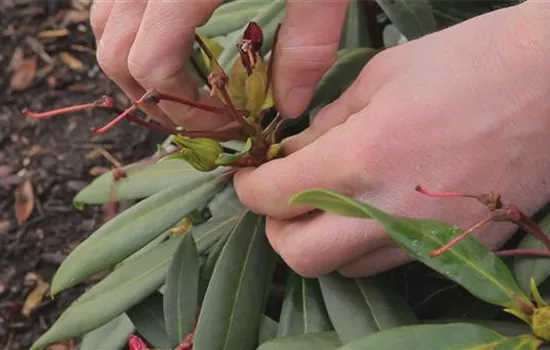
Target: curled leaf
35, 297
24, 202
24, 74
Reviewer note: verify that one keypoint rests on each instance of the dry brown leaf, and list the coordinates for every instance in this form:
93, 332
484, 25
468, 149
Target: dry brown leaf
98, 170
63, 345
33, 150
24, 74
71, 61
4, 226
35, 297
74, 16
24, 202
54, 33
16, 59
83, 48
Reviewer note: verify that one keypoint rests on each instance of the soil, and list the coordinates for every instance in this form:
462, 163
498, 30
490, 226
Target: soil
53, 154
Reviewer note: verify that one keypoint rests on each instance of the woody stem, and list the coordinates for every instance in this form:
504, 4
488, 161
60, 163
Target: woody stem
461, 236
523, 252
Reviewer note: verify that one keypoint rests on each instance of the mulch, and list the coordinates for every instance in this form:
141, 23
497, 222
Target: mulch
47, 60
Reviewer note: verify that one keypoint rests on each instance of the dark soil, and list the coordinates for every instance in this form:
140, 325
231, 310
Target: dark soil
52, 154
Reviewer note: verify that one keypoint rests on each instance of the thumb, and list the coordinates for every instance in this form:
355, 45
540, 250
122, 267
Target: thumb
307, 45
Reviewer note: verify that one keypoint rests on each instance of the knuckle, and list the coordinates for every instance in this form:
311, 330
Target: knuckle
295, 258
107, 61
137, 66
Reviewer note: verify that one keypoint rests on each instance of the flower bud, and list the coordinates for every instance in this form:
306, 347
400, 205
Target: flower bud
540, 322
135, 343
201, 153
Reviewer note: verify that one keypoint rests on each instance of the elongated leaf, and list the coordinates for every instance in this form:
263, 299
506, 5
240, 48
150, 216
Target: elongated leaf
262, 18
131, 230
226, 203
224, 22
238, 5
358, 307
303, 308
308, 341
526, 268
413, 18
341, 75
148, 318
268, 330
207, 269
455, 336
232, 307
355, 32
112, 335
123, 288
207, 234
468, 263
180, 298
143, 180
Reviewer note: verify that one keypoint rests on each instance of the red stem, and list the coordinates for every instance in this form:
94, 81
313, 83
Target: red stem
425, 192
542, 253
213, 109
460, 237
530, 226
43, 115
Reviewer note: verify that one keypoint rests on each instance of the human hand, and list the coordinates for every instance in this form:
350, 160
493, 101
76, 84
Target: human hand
465, 109
144, 44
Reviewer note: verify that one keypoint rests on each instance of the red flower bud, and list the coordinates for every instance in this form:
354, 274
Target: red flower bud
250, 45
135, 343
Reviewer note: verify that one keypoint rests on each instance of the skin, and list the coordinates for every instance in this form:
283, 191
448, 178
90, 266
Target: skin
465, 109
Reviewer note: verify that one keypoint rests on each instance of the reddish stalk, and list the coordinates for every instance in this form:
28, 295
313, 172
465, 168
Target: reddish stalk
272, 58
43, 115
530, 226
425, 192
540, 253
164, 97
461, 236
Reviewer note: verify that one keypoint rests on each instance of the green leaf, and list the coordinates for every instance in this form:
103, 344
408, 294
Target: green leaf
303, 309
233, 304
148, 318
207, 269
180, 297
526, 268
268, 329
355, 32
344, 71
143, 180
358, 307
207, 234
123, 288
226, 21
308, 341
112, 335
227, 159
226, 203
262, 18
454, 336
413, 18
468, 263
133, 229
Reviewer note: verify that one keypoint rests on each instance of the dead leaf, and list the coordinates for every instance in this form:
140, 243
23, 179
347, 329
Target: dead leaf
4, 226
24, 201
33, 150
71, 61
54, 33
24, 74
16, 59
63, 345
98, 170
35, 297
83, 48
74, 16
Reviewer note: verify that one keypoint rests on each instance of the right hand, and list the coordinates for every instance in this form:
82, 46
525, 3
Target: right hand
144, 44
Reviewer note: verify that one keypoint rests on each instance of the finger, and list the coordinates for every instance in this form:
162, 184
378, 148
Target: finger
377, 261
377, 72
99, 14
267, 189
305, 50
157, 57
314, 246
112, 52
